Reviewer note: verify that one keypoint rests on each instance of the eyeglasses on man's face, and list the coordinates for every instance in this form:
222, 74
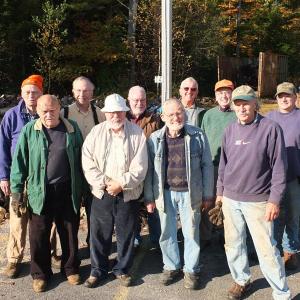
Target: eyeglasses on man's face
84, 92
174, 115
190, 89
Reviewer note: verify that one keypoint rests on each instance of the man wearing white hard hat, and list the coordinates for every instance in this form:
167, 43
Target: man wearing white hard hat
115, 162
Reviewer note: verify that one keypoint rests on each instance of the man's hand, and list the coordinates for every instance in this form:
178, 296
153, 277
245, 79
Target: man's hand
113, 187
207, 204
219, 199
5, 187
216, 216
272, 211
17, 204
150, 207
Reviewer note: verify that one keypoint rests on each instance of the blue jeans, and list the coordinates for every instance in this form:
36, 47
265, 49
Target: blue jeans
190, 220
236, 215
286, 227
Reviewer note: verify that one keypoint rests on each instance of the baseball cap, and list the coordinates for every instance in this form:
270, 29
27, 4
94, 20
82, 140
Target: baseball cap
224, 84
286, 87
243, 92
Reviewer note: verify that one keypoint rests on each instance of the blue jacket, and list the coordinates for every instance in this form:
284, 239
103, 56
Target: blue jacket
11, 126
199, 167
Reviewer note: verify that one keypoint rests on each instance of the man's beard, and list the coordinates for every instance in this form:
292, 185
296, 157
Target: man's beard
176, 127
115, 125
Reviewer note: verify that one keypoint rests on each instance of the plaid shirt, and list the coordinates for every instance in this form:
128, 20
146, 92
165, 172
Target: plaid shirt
27, 116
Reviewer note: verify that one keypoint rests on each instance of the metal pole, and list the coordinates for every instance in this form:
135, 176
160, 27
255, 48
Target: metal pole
166, 49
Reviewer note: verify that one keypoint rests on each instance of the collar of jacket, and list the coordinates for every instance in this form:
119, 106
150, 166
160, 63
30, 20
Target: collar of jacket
70, 128
147, 115
21, 105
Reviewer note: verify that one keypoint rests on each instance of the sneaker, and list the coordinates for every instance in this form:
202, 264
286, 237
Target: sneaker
125, 279
12, 270
169, 276
191, 281
237, 291
290, 260
56, 262
39, 285
74, 279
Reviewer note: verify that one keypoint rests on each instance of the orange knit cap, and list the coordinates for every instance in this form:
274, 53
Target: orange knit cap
224, 84
36, 80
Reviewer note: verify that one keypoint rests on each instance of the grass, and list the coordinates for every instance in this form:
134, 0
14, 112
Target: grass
266, 107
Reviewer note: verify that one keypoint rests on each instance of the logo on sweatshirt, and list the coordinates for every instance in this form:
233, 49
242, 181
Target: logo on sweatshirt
241, 142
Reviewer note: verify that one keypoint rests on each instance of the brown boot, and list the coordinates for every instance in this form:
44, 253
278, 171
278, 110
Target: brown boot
12, 270
39, 285
237, 291
74, 279
290, 260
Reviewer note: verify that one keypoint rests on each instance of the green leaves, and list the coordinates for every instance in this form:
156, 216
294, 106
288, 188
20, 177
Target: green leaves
49, 38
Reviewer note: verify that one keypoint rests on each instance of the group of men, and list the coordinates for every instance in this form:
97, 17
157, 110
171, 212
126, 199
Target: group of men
182, 162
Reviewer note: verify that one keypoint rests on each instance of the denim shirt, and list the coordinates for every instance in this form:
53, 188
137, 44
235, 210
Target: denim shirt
199, 167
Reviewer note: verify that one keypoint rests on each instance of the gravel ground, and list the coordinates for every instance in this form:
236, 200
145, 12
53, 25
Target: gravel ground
215, 277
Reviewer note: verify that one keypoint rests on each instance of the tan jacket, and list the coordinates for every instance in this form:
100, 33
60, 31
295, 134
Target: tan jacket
94, 155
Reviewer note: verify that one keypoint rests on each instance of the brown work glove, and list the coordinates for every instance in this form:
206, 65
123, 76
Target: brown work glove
18, 205
216, 215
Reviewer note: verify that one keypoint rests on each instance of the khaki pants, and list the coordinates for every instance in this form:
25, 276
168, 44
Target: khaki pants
17, 237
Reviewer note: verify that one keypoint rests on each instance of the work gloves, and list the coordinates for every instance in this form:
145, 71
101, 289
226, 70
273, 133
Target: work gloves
18, 205
216, 215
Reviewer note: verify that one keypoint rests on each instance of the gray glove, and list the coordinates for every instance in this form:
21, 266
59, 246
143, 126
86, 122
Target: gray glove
18, 205
216, 216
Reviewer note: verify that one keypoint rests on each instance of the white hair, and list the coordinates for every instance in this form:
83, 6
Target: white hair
135, 89
83, 78
171, 101
192, 79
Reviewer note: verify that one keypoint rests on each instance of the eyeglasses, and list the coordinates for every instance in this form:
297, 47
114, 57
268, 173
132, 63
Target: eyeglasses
136, 101
85, 92
191, 89
172, 116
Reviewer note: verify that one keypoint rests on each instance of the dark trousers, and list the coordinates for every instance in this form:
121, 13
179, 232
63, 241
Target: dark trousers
87, 204
153, 224
105, 213
58, 208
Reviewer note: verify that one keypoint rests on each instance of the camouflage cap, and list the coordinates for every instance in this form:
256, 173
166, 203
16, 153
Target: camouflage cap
287, 88
243, 92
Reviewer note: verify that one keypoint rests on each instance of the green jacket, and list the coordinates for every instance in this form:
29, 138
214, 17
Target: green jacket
30, 164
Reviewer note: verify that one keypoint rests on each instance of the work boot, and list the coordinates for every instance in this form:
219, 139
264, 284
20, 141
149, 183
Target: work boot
169, 276
12, 270
74, 279
124, 279
237, 291
290, 260
39, 285
91, 282
191, 281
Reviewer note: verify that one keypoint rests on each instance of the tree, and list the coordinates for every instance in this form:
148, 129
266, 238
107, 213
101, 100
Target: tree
49, 38
197, 39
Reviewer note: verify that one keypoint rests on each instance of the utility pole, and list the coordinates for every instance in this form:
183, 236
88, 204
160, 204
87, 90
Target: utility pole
166, 49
